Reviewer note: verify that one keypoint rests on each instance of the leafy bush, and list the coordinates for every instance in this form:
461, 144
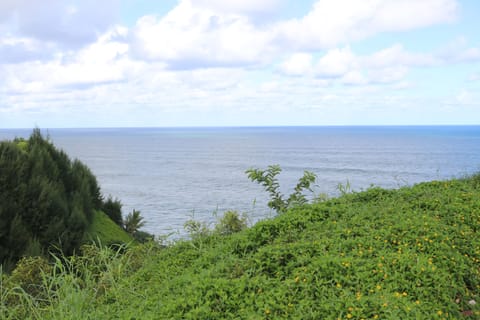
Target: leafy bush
231, 222
196, 229
29, 274
143, 236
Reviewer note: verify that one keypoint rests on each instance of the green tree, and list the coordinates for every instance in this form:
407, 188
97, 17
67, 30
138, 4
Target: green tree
46, 200
133, 222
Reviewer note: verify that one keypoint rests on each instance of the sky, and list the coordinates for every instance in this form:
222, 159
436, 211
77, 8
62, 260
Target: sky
127, 63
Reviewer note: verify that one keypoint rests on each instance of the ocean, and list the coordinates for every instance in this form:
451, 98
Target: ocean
175, 174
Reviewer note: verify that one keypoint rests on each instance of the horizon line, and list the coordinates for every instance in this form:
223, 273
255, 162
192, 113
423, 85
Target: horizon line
243, 126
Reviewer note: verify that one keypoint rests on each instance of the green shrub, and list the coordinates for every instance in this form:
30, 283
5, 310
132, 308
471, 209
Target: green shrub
143, 236
231, 222
196, 229
30, 274
113, 209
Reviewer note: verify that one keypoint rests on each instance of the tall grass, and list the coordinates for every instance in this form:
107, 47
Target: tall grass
69, 287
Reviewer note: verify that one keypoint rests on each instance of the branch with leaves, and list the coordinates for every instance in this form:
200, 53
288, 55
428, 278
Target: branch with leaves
268, 179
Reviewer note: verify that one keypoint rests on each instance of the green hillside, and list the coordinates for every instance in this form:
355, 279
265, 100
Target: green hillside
412, 253
104, 231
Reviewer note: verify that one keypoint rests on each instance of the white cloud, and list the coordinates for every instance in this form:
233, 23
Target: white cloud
335, 63
212, 56
385, 66
17, 50
388, 74
468, 55
458, 51
334, 22
462, 100
238, 6
464, 97
189, 37
474, 76
397, 55
201, 33
354, 77
71, 24
101, 62
382, 67
298, 64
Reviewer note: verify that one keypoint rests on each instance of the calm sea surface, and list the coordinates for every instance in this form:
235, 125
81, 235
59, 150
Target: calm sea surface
172, 174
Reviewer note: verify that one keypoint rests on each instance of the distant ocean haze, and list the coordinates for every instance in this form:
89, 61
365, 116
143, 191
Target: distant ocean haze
172, 174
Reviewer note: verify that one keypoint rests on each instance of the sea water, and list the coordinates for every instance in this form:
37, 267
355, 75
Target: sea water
174, 174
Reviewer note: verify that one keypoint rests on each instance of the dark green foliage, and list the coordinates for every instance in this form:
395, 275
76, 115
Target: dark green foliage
46, 200
113, 209
268, 179
143, 237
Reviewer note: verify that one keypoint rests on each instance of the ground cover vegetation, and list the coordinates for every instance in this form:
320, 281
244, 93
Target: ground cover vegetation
50, 203
411, 253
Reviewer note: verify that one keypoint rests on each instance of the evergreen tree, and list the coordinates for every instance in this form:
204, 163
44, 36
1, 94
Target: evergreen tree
113, 209
46, 200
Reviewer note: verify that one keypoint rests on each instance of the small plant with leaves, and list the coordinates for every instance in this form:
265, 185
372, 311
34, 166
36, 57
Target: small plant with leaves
268, 179
196, 229
133, 222
231, 222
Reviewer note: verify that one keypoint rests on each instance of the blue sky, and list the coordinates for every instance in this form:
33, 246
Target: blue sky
115, 63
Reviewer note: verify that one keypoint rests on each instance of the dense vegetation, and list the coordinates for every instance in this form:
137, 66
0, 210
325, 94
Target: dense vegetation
46, 200
412, 253
51, 203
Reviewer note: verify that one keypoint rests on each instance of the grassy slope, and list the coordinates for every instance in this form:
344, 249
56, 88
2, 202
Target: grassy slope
105, 231
412, 253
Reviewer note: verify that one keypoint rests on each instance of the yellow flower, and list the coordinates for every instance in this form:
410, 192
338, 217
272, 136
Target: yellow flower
349, 316
439, 312
358, 295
